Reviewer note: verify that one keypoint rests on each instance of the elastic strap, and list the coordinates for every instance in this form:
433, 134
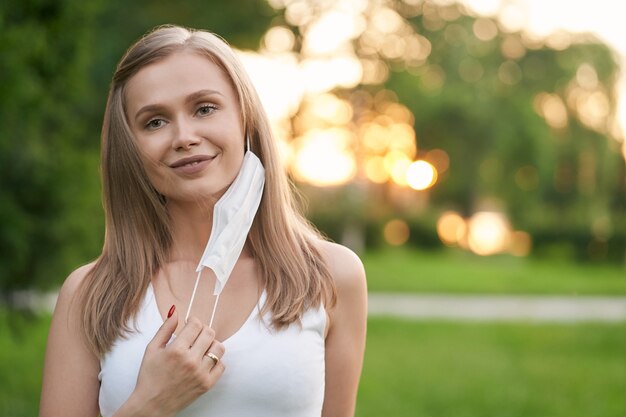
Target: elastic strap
193, 294
214, 309
193, 297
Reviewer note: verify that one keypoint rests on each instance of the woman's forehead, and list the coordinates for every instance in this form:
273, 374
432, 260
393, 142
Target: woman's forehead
175, 77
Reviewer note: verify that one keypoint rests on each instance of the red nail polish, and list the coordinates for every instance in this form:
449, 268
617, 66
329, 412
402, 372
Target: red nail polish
169, 313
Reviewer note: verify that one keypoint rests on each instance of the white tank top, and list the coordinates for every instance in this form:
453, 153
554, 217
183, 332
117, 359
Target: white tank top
268, 373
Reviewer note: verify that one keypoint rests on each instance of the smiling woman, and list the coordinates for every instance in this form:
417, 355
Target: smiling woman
188, 161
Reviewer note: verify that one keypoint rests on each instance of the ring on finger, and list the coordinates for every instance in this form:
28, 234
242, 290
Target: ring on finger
213, 357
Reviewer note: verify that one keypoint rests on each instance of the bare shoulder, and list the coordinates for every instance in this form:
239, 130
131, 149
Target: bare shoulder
72, 284
75, 279
345, 267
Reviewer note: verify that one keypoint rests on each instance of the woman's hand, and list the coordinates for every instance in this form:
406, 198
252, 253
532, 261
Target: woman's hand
173, 375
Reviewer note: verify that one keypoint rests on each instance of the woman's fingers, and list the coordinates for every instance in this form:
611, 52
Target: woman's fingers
165, 332
203, 341
188, 335
200, 339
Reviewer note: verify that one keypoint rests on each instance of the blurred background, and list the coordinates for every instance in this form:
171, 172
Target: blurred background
460, 148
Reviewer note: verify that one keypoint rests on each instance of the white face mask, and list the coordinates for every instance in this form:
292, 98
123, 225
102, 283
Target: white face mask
232, 218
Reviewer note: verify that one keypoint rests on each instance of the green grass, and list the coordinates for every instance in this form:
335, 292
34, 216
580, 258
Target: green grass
412, 270
432, 369
22, 345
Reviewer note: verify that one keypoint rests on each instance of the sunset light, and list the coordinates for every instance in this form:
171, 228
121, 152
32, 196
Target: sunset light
421, 175
396, 232
322, 75
323, 158
484, 233
488, 233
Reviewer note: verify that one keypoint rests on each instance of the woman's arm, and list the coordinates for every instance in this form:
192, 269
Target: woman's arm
345, 342
170, 377
70, 377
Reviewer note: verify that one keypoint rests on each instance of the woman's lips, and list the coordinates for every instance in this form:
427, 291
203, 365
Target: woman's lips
192, 165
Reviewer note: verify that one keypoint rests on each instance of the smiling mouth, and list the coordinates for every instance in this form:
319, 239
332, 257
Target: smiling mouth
191, 161
191, 164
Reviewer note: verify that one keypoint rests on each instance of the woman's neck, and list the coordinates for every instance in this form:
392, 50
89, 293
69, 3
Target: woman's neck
191, 225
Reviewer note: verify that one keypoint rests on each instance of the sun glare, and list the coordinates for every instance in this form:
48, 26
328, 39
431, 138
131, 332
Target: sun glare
421, 175
488, 233
323, 157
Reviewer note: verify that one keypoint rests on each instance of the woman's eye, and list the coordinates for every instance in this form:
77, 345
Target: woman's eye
155, 124
206, 109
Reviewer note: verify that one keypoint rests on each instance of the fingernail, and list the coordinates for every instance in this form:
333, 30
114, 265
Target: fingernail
169, 313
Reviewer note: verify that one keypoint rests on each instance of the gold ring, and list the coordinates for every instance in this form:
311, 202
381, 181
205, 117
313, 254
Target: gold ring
210, 355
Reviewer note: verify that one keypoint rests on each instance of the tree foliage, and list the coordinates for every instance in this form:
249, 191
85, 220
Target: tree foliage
566, 177
45, 142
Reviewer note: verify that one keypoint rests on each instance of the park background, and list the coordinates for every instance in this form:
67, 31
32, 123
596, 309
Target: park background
455, 150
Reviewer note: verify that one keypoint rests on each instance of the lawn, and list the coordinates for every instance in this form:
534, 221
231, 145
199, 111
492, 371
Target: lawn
430, 369
22, 344
412, 270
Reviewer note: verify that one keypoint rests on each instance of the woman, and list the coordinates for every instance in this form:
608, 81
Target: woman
284, 337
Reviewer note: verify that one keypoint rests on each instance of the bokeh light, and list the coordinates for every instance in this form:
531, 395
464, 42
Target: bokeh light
396, 232
484, 233
439, 159
375, 170
279, 39
421, 175
451, 228
323, 157
397, 163
552, 108
485, 29
488, 233
520, 243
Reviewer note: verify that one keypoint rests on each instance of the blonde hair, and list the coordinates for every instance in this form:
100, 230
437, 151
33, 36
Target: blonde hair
137, 234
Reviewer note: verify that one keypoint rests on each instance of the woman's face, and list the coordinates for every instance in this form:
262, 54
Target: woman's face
186, 120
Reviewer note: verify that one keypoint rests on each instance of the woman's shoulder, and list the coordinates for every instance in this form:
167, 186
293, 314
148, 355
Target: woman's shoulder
349, 313
344, 265
73, 282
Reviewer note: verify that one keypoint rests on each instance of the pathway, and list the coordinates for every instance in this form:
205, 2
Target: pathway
456, 307
499, 307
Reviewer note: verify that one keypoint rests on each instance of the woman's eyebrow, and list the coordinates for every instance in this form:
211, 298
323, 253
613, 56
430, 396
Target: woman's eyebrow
202, 93
148, 108
191, 97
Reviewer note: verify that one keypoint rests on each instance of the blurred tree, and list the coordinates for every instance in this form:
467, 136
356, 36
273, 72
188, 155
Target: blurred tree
526, 123
46, 163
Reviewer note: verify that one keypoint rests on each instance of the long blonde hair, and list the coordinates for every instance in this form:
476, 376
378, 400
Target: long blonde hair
137, 234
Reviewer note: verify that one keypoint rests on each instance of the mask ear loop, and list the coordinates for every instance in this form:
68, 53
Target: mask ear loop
214, 309
193, 297
248, 143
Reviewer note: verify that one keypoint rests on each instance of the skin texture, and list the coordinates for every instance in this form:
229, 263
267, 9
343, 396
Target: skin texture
184, 106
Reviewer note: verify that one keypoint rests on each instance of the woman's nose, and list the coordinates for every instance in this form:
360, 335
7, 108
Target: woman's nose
185, 135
